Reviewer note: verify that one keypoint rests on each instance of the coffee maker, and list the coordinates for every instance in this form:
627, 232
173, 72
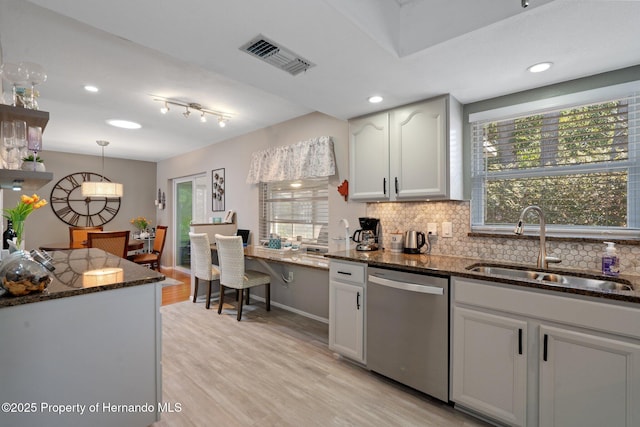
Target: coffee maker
367, 236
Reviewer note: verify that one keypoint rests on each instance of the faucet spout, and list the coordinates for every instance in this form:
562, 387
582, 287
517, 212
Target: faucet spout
542, 252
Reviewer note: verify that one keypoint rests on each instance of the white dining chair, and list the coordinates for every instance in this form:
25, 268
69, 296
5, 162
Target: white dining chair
201, 264
233, 274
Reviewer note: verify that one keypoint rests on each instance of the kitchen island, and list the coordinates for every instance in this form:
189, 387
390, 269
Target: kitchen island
87, 350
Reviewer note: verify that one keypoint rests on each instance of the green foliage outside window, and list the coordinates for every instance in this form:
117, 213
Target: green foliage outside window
572, 163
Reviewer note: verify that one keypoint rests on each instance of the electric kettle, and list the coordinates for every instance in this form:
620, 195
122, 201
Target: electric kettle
413, 241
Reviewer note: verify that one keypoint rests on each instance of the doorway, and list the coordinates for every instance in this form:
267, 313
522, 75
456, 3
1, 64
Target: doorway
190, 204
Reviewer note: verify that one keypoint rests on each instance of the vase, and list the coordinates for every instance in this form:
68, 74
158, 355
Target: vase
33, 166
18, 226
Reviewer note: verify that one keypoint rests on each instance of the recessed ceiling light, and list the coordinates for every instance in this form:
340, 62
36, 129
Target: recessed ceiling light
124, 124
375, 99
91, 88
538, 68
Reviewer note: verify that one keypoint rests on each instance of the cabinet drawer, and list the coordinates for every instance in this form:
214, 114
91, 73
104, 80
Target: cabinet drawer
348, 272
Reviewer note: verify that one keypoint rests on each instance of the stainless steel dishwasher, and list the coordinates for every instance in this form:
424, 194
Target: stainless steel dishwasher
408, 329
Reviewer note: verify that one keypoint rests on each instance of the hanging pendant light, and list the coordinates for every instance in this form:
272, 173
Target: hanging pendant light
102, 188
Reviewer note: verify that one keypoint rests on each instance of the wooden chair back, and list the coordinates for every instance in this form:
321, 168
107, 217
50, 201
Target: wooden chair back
79, 234
114, 242
161, 237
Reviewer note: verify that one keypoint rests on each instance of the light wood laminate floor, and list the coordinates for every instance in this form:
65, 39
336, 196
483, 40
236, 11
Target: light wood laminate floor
275, 369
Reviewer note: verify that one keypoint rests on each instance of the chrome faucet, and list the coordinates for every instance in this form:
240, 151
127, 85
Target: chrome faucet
543, 259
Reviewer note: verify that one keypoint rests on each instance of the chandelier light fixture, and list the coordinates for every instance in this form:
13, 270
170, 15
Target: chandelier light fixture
222, 117
101, 188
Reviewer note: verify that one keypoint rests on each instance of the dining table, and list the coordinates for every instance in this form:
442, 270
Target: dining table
132, 245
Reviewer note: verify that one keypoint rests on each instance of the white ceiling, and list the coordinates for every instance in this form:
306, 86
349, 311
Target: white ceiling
404, 50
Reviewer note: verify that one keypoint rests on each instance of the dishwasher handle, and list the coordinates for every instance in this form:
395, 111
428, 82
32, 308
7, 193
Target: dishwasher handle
406, 286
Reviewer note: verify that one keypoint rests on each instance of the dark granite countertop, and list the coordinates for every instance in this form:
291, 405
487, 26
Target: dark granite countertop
457, 266
79, 271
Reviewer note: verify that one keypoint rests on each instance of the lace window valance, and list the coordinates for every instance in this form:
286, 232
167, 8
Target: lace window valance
305, 159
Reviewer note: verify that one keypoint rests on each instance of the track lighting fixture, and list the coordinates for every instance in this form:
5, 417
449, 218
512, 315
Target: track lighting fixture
524, 3
223, 117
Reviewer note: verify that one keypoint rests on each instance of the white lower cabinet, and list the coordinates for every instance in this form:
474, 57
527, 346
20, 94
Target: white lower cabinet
347, 282
490, 362
527, 358
588, 380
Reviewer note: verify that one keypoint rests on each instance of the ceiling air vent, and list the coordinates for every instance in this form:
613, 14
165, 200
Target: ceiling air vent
278, 56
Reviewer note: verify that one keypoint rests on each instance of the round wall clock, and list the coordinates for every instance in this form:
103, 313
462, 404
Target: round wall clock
72, 207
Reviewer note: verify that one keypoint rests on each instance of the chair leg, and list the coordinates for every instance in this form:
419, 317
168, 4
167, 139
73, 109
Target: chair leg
247, 301
209, 294
267, 296
195, 290
237, 294
221, 299
240, 304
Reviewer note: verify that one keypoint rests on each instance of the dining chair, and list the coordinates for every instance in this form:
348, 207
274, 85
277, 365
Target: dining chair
153, 258
79, 234
114, 242
201, 264
233, 274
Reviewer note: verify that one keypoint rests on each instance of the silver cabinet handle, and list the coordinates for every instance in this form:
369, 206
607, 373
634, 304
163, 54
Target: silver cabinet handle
406, 286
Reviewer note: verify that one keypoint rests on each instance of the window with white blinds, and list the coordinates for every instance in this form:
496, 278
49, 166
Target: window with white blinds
295, 209
578, 163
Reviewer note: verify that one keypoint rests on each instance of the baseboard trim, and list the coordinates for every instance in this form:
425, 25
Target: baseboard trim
293, 310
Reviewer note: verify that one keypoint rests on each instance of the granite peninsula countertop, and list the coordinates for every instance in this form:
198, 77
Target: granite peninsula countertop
78, 272
457, 266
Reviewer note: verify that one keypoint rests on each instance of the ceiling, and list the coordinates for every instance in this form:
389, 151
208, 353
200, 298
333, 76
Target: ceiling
404, 50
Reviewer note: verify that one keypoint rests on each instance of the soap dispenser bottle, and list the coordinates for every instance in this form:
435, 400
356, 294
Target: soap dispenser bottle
610, 260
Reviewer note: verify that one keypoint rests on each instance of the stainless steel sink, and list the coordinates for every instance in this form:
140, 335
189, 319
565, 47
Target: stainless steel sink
560, 279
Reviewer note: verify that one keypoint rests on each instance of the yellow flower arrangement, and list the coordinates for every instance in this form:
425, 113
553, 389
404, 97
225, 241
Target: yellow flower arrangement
141, 223
19, 214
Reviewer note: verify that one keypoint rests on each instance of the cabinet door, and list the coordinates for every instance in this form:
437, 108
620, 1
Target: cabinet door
587, 380
490, 365
418, 152
369, 157
346, 320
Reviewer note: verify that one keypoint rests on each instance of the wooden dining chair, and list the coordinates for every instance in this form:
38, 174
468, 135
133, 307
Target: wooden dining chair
79, 234
153, 258
201, 264
233, 274
114, 242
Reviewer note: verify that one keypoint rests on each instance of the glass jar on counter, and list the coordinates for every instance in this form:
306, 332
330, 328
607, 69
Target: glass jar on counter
21, 274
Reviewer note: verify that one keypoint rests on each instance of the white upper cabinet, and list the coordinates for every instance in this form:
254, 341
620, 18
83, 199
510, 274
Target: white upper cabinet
369, 157
412, 152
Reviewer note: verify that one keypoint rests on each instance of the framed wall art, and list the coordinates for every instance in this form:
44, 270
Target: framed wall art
217, 190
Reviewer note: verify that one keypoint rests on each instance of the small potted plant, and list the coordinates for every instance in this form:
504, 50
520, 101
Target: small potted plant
141, 223
33, 163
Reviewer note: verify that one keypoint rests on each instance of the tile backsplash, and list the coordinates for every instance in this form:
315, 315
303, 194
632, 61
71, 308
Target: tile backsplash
416, 215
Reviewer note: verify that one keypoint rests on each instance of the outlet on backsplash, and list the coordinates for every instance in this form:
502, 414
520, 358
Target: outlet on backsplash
432, 228
447, 229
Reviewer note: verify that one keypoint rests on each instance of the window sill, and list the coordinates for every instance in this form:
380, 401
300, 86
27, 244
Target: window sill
617, 241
